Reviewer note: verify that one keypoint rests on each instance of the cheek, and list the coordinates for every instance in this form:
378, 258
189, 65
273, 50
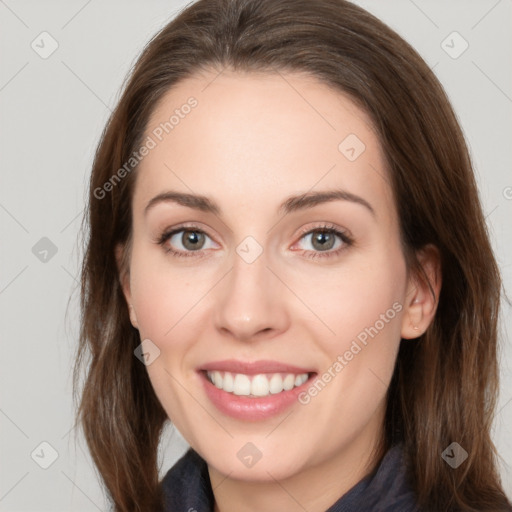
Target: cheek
161, 295
362, 297
167, 301
364, 308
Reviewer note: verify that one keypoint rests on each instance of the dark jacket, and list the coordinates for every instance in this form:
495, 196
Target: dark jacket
187, 487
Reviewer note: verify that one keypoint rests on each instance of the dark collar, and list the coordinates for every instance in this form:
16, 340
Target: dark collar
187, 487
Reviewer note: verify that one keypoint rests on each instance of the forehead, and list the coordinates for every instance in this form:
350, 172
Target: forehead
260, 137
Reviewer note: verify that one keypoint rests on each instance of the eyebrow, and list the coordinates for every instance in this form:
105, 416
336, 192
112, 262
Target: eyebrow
291, 204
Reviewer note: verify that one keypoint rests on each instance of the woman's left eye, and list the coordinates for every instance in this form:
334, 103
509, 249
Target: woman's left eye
192, 241
323, 241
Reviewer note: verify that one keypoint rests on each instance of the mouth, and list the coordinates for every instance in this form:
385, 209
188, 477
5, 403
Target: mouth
253, 391
256, 386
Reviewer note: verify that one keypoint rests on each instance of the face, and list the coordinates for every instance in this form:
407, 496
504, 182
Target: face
279, 270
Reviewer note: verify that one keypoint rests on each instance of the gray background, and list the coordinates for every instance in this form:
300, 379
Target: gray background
52, 112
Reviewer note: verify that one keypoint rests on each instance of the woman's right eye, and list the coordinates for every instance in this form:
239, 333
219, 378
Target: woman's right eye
184, 241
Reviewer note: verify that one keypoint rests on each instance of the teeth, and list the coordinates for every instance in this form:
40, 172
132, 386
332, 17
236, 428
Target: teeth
228, 384
259, 385
276, 384
242, 385
289, 382
217, 379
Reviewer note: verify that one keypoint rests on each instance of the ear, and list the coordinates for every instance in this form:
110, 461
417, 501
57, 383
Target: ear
421, 304
124, 278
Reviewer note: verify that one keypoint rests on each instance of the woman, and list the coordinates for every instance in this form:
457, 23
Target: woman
281, 260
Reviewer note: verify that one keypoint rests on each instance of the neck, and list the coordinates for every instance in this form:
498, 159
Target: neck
314, 489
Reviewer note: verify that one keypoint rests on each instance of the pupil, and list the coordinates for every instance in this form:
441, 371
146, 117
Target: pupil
191, 239
323, 239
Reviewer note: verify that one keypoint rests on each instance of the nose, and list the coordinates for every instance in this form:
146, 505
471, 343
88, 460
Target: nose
251, 301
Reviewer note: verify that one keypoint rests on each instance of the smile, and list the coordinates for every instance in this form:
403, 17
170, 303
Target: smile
253, 391
259, 385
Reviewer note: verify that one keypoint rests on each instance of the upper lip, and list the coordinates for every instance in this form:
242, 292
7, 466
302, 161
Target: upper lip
254, 367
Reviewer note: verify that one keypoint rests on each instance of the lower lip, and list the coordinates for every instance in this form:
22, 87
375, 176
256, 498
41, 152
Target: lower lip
251, 409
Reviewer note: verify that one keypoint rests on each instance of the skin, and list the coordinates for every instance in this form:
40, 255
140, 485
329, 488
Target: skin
252, 141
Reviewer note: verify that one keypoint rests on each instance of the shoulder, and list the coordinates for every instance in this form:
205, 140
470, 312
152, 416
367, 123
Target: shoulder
187, 484
387, 488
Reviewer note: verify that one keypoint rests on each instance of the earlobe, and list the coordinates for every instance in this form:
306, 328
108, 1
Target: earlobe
422, 294
413, 319
124, 279
133, 316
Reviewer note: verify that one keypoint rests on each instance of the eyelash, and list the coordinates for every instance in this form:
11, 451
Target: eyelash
325, 228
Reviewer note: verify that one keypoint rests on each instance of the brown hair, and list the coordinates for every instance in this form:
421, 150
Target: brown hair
445, 383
